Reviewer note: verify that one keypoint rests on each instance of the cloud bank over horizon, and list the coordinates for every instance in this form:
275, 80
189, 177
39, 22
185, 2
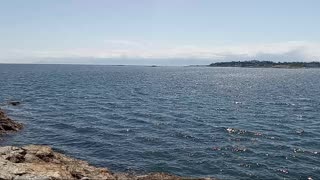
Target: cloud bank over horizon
143, 52
161, 32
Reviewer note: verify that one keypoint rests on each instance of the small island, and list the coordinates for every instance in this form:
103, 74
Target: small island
266, 64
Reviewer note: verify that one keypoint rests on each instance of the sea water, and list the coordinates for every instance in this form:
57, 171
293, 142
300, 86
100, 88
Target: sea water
229, 123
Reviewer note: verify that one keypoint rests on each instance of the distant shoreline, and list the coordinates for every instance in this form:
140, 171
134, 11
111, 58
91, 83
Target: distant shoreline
238, 64
266, 64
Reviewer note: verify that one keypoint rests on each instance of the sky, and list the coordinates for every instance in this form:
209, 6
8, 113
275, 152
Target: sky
163, 32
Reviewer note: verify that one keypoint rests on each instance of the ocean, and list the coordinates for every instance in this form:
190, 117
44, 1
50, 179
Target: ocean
228, 123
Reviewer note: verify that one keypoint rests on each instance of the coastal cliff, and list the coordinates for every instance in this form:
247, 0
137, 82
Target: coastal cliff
41, 162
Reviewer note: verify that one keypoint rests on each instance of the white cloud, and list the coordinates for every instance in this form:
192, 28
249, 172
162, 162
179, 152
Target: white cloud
125, 43
283, 51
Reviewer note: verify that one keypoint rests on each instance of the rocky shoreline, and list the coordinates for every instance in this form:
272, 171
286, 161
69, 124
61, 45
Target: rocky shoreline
39, 162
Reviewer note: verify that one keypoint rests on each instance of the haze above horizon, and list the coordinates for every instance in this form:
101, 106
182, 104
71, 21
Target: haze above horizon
162, 32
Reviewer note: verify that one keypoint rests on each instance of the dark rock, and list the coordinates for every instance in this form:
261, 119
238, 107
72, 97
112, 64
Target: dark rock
14, 103
7, 124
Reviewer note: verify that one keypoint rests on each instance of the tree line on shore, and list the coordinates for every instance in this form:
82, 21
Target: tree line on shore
256, 63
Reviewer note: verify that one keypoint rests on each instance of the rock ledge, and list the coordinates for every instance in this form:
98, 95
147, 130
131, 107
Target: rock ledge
41, 162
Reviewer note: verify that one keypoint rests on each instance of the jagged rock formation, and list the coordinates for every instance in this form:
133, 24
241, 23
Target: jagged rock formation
7, 124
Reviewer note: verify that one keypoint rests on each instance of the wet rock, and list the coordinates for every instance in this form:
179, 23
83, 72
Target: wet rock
164, 176
14, 103
7, 124
41, 162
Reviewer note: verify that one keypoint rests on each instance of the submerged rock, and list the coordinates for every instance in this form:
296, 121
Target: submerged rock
14, 103
7, 124
41, 162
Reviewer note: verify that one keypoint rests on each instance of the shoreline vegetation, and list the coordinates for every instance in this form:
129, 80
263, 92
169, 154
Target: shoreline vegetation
266, 64
41, 162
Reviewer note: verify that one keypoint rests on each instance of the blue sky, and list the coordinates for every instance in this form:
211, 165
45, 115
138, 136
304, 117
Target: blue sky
175, 31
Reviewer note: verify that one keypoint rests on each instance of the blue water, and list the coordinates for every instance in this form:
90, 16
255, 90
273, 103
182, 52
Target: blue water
227, 123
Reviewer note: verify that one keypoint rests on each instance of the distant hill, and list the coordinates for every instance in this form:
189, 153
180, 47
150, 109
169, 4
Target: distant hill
266, 64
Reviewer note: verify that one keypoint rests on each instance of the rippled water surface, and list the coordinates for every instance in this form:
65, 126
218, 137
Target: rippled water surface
191, 121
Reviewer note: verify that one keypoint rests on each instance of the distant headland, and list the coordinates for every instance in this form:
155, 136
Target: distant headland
266, 64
